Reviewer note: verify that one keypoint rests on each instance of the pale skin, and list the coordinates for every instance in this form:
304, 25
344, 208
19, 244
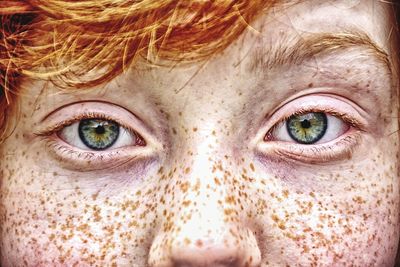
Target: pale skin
211, 182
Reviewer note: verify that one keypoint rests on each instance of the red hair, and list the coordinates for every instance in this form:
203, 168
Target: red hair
66, 40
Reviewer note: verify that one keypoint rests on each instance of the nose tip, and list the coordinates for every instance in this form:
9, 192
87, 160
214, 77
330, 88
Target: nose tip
228, 249
213, 255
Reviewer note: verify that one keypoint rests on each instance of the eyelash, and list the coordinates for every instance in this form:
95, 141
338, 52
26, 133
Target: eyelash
345, 117
323, 152
348, 142
87, 115
66, 152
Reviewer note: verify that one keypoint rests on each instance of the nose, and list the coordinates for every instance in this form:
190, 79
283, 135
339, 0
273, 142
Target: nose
206, 251
205, 229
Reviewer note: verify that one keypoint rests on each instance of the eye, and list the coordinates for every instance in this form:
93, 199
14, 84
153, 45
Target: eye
99, 134
309, 128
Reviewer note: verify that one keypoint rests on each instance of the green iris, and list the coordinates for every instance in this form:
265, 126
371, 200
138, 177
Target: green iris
307, 128
98, 134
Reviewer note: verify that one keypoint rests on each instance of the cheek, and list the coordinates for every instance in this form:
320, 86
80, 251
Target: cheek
354, 217
350, 215
43, 222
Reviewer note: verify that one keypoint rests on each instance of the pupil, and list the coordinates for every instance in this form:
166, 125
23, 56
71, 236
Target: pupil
306, 124
100, 129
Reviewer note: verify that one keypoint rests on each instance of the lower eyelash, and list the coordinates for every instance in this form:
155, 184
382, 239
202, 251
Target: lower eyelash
86, 160
340, 149
63, 150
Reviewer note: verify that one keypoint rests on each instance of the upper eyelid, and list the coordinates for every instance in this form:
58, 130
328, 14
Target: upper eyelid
60, 117
281, 113
330, 111
92, 109
83, 102
89, 115
320, 101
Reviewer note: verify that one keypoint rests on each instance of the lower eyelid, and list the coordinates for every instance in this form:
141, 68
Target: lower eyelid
71, 158
341, 148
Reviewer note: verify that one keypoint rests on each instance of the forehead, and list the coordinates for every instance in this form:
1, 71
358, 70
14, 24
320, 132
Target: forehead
290, 33
277, 31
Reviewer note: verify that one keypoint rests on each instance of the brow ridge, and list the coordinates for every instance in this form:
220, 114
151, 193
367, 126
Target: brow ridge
313, 45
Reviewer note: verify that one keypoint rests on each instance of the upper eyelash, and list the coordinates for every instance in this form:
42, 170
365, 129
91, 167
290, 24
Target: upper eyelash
344, 116
76, 118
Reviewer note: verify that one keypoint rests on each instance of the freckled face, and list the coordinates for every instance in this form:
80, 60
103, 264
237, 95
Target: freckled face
253, 161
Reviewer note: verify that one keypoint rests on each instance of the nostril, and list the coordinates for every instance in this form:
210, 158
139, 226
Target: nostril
213, 256
229, 262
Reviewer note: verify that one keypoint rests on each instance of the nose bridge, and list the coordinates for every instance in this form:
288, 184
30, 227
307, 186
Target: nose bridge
208, 202
201, 192
203, 178
208, 194
204, 227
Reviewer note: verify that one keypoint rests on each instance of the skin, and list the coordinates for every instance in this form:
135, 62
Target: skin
208, 189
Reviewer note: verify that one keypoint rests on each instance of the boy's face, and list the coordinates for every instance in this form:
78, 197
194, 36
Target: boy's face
282, 151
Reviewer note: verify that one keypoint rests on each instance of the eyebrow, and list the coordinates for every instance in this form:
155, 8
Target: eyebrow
308, 47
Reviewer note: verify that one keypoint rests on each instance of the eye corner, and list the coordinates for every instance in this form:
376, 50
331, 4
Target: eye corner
140, 140
268, 137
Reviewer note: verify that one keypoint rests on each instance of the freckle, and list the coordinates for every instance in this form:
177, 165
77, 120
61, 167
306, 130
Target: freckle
195, 129
94, 196
252, 167
310, 85
230, 200
187, 241
199, 243
51, 237
184, 187
228, 212
187, 170
174, 131
275, 218
186, 203
286, 193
